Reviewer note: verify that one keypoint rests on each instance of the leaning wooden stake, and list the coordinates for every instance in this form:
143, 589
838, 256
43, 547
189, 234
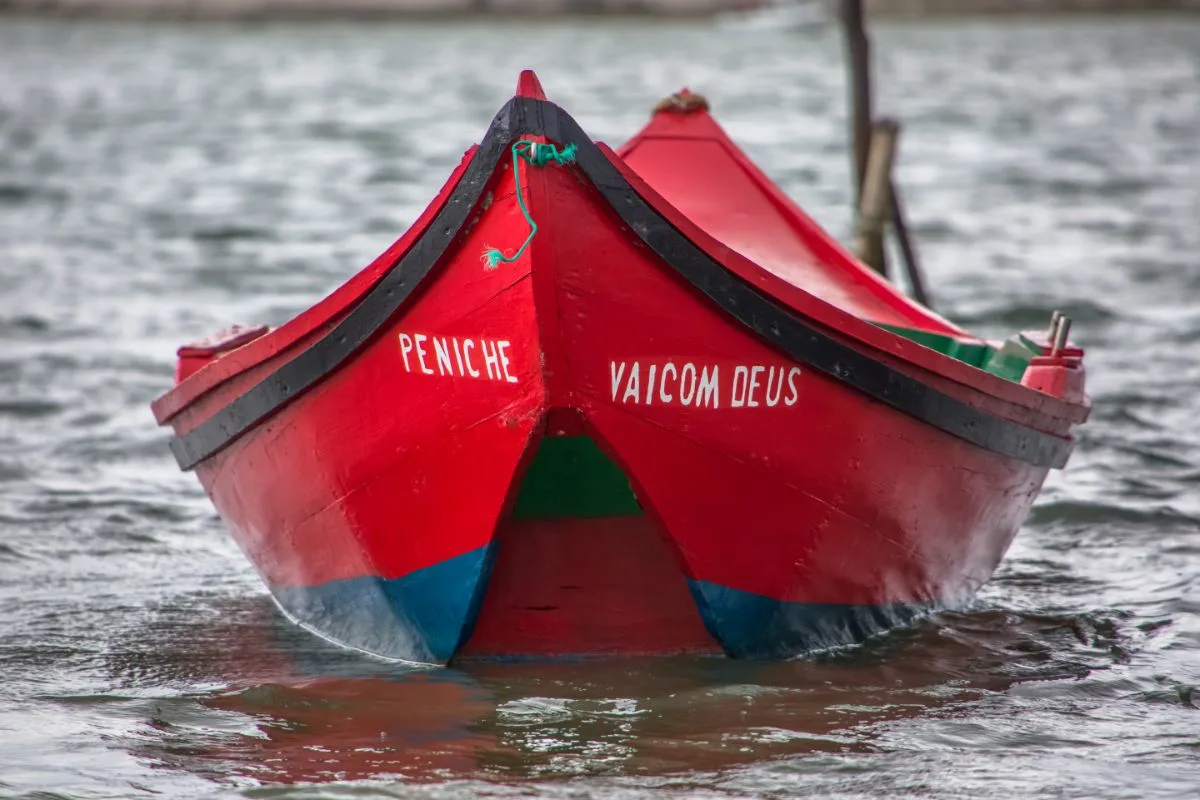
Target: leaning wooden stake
912, 267
875, 202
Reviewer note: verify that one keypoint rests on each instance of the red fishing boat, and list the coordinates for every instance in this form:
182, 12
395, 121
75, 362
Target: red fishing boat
597, 402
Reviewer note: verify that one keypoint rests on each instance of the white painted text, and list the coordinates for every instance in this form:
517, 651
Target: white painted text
457, 356
685, 383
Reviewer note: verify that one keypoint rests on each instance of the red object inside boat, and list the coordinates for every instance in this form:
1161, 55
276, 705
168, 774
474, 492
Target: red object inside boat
196, 355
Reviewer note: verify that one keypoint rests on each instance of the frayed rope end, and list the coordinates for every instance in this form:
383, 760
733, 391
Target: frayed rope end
491, 258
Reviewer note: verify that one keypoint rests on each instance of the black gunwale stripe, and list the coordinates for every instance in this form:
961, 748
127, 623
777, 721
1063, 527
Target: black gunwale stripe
755, 310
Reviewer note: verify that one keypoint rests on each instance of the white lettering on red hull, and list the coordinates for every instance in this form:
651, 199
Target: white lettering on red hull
457, 357
692, 385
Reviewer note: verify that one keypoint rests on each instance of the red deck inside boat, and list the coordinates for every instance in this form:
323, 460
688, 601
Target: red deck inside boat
693, 164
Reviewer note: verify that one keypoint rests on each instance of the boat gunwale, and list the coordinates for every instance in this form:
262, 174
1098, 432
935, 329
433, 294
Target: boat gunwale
844, 324
879, 286
784, 316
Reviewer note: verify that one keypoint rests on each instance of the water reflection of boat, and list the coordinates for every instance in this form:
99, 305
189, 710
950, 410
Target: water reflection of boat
296, 710
668, 414
349, 729
291, 708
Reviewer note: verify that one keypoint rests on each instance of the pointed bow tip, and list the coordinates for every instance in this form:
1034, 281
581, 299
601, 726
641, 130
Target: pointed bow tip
528, 85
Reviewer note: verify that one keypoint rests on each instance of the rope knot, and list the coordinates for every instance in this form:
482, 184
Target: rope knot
682, 102
539, 154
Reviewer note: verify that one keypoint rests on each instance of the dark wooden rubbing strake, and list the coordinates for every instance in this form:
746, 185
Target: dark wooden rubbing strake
755, 310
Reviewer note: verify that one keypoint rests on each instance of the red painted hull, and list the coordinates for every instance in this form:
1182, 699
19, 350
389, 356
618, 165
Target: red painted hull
803, 477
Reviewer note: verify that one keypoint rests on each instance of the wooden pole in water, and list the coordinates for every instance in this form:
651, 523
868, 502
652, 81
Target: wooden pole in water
859, 51
875, 199
885, 203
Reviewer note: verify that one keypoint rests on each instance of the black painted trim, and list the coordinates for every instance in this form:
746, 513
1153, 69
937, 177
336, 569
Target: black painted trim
776, 324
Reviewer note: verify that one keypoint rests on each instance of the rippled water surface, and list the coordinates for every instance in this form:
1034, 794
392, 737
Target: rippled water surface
159, 182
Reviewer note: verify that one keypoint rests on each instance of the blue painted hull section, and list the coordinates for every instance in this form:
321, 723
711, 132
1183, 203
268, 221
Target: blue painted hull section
423, 616
751, 625
427, 615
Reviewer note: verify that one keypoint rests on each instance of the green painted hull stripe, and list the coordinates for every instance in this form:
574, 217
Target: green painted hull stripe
1008, 361
571, 477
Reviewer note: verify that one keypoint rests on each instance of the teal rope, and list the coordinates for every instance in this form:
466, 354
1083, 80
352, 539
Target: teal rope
538, 155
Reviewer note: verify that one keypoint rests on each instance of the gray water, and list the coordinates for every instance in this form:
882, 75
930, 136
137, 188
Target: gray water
159, 182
